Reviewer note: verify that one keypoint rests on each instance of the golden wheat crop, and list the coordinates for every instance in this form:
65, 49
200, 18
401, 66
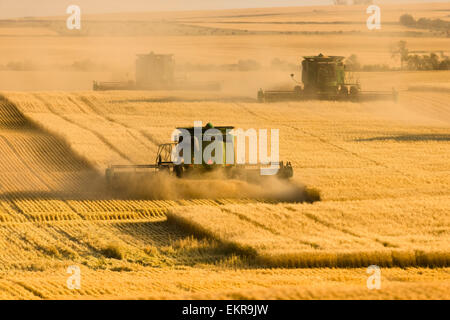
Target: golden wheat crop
351, 231
221, 283
330, 234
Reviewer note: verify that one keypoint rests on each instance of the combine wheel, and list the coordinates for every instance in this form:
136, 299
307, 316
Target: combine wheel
260, 95
354, 93
394, 95
344, 91
178, 170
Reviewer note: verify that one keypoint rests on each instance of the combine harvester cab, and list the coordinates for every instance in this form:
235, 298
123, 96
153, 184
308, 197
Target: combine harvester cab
324, 78
118, 176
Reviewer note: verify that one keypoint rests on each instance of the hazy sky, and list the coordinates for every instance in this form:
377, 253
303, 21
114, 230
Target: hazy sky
24, 8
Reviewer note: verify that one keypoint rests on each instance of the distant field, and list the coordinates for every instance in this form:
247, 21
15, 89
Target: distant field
298, 27
18, 31
121, 51
221, 37
288, 14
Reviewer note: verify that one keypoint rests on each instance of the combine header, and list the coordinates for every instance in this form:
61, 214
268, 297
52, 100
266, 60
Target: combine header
325, 78
155, 72
120, 175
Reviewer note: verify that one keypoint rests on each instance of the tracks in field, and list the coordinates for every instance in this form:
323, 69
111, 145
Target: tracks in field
430, 106
34, 208
97, 113
42, 180
84, 127
319, 138
54, 185
54, 208
48, 190
33, 160
143, 139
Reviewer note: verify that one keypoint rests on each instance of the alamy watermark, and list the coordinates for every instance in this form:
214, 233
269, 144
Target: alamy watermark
374, 280
74, 280
374, 21
74, 20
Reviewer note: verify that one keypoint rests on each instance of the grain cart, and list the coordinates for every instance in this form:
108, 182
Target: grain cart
324, 78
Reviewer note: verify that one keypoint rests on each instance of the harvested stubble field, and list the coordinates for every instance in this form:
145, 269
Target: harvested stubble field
330, 234
382, 168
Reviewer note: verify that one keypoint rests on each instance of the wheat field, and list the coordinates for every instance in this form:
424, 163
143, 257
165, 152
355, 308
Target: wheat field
389, 165
330, 234
382, 168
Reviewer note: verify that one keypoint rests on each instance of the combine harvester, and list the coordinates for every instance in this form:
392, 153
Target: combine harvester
156, 72
325, 78
119, 175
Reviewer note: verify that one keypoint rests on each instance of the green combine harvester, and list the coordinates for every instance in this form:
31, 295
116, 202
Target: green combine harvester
119, 175
325, 78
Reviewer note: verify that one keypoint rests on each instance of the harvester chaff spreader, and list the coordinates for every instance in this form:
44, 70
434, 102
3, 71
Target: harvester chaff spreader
185, 164
325, 78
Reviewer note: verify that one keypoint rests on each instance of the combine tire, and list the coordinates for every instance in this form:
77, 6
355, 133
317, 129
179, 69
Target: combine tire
178, 171
354, 93
260, 96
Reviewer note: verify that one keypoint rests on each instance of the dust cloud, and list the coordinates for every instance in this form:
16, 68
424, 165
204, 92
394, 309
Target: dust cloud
164, 186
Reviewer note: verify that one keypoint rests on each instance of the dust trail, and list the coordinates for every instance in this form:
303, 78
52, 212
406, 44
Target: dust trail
164, 186
444, 87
